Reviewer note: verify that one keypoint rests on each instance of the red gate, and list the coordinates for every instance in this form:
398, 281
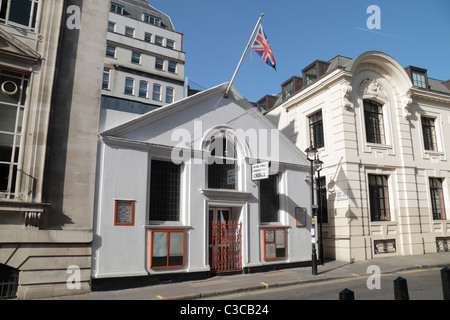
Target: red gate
225, 245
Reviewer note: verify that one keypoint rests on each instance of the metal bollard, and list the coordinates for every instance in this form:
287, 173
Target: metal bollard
445, 277
346, 294
401, 289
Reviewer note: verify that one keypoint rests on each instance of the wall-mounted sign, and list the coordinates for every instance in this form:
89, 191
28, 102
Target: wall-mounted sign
300, 217
124, 213
260, 171
341, 195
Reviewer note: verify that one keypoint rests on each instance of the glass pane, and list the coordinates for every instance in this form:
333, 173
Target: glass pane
176, 244
159, 244
280, 238
8, 116
20, 11
4, 177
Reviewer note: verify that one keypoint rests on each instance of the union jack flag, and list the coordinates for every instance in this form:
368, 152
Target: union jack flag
262, 47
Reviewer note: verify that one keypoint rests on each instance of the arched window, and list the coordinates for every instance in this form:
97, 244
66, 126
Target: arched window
222, 163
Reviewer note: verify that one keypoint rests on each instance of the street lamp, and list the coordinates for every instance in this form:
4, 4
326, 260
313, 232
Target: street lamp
311, 153
318, 167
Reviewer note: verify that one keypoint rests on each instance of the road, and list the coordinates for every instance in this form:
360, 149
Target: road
423, 284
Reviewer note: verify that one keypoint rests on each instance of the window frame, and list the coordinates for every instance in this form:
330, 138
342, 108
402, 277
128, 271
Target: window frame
172, 67
156, 94
151, 249
170, 98
219, 166
374, 121
14, 131
436, 186
108, 51
127, 32
136, 57
310, 77
316, 134
420, 83
111, 26
35, 9
429, 133
374, 202
172, 208
116, 8
127, 86
141, 90
107, 73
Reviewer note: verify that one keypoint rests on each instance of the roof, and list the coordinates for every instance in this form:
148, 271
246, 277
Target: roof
135, 8
345, 63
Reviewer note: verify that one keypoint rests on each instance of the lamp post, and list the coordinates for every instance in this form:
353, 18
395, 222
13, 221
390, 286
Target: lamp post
311, 156
318, 167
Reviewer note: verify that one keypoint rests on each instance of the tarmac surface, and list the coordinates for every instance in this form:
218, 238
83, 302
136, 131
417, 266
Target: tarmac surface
229, 284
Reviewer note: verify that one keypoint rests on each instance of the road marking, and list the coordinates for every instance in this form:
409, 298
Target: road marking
355, 275
160, 297
307, 285
265, 284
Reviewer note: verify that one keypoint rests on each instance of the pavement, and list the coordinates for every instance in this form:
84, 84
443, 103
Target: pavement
231, 284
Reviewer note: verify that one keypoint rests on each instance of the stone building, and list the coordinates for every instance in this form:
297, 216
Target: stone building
382, 131
144, 62
51, 64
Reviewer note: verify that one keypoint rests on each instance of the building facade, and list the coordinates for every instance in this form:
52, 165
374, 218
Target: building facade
178, 194
51, 63
382, 132
144, 61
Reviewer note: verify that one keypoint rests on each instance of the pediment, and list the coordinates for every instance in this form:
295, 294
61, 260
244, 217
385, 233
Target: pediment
11, 46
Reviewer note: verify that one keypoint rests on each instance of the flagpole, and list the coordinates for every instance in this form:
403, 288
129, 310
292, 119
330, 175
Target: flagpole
242, 58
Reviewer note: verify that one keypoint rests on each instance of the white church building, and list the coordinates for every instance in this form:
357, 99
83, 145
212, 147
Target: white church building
195, 187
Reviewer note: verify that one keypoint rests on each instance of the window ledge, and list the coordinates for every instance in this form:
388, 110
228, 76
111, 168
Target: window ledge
167, 225
224, 193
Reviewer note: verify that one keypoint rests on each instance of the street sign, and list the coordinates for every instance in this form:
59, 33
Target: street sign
260, 171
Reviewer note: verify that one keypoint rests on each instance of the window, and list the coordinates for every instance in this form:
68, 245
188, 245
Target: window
151, 20
418, 78
288, 89
116, 8
167, 248
12, 106
310, 75
129, 86
164, 191
274, 243
19, 12
111, 26
170, 44
437, 199
143, 89
135, 57
159, 64
148, 37
156, 92
158, 40
373, 118
379, 198
169, 95
110, 51
172, 67
106, 76
129, 32
222, 164
429, 134
269, 199
316, 130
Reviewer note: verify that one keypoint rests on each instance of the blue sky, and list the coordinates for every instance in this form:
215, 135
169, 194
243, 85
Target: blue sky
216, 32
